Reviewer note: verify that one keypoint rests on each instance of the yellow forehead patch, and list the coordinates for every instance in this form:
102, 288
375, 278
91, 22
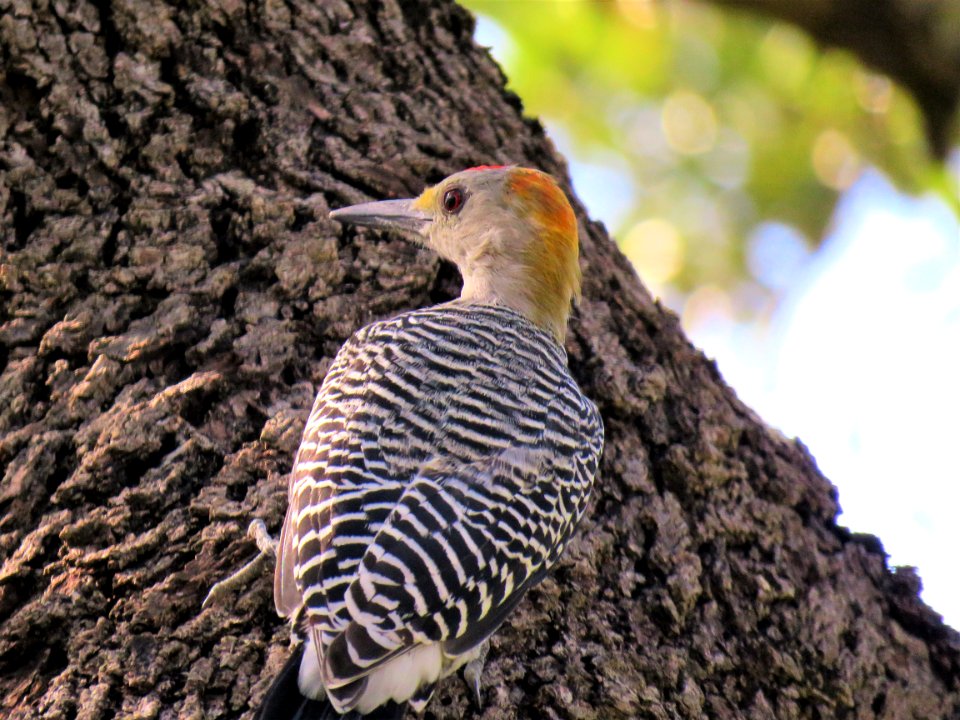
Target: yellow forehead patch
426, 200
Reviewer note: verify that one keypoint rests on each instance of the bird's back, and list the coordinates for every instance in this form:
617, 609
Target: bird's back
475, 407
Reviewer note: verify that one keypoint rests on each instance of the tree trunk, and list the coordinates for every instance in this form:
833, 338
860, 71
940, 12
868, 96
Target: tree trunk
173, 292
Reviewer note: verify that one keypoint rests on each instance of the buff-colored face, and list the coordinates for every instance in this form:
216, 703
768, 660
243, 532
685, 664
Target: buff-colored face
510, 231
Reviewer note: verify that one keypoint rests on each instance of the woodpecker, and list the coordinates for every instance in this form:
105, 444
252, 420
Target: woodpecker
448, 457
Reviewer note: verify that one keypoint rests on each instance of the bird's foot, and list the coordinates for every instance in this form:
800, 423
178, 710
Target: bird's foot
267, 546
473, 670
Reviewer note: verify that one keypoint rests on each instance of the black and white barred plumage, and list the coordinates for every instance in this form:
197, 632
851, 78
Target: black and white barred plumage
447, 459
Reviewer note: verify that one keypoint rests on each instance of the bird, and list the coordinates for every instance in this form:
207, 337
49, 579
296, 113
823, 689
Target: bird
446, 462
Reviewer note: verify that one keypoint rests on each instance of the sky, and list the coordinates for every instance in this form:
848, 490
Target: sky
860, 359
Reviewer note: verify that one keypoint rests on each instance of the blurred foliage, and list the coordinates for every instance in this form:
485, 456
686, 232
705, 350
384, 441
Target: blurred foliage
735, 134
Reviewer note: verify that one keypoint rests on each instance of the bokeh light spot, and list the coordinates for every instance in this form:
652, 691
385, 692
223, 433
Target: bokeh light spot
656, 250
874, 92
836, 162
641, 14
728, 164
689, 123
787, 57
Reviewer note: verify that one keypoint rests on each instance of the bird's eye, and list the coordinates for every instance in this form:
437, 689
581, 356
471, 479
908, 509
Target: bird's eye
453, 200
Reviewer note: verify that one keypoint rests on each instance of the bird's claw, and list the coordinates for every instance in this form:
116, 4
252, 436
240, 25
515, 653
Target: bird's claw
267, 545
473, 671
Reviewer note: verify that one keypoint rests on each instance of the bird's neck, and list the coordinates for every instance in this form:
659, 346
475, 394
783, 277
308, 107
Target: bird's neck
512, 287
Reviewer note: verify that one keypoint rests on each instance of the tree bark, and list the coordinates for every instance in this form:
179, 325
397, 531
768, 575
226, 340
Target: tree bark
916, 42
171, 294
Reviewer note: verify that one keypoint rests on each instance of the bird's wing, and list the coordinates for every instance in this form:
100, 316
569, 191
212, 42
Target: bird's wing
286, 595
456, 555
312, 457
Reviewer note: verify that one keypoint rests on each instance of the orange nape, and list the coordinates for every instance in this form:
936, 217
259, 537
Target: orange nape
541, 201
543, 198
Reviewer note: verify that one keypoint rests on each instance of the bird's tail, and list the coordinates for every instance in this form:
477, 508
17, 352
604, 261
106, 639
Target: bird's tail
284, 701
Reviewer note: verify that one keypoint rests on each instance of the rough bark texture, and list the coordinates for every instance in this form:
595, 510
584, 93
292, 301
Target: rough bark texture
916, 42
172, 293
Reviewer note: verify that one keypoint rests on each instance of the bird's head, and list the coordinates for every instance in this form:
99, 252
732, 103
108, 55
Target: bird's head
509, 230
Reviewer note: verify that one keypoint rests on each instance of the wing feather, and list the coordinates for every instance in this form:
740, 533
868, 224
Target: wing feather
286, 595
454, 557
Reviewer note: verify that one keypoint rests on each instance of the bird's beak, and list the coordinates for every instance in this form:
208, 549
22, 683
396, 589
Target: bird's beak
386, 214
